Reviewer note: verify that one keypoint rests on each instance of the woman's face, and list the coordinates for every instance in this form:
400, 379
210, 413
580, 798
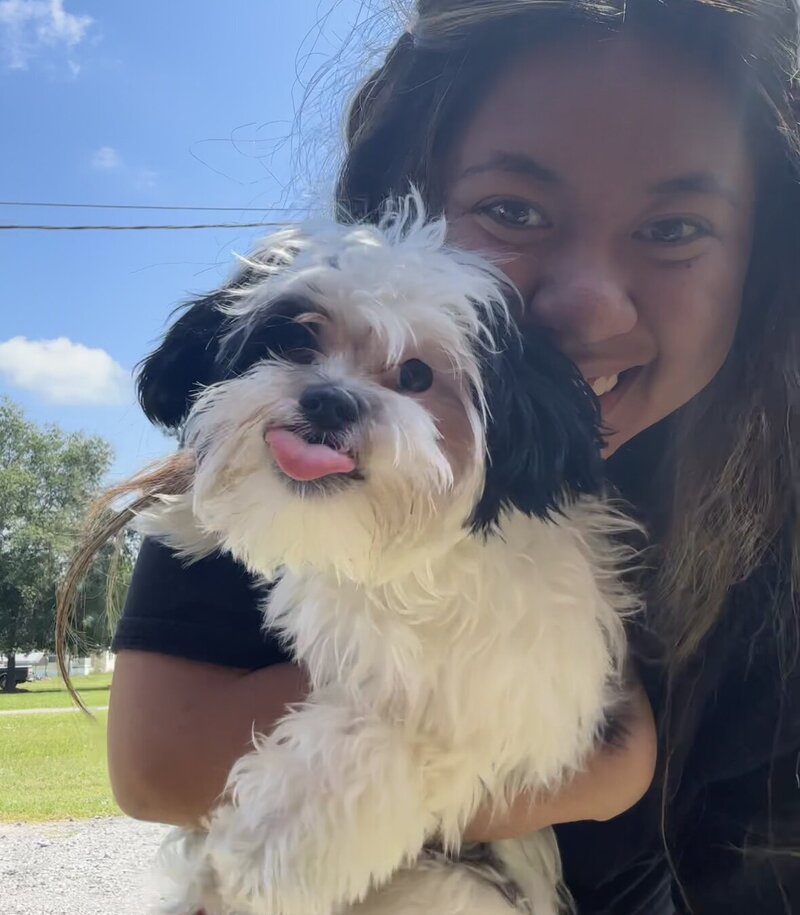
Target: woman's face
613, 181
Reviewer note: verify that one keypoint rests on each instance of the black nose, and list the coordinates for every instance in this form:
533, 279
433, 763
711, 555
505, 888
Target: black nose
329, 408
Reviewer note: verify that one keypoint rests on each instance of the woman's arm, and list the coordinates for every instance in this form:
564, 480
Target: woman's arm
176, 727
615, 778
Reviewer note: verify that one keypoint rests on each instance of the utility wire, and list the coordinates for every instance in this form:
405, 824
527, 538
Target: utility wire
134, 206
220, 225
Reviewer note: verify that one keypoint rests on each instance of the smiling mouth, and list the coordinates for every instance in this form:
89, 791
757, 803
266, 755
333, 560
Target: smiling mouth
605, 384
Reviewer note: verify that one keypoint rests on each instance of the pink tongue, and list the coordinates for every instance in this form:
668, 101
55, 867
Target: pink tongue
302, 461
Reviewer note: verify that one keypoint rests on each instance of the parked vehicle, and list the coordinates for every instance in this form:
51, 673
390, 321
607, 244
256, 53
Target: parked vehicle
20, 676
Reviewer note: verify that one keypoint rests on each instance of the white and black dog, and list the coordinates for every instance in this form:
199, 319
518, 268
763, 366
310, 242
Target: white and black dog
368, 425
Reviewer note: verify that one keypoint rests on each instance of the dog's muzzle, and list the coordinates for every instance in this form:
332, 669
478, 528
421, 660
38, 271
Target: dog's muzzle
320, 446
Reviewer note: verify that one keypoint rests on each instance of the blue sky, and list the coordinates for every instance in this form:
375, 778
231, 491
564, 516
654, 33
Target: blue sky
149, 103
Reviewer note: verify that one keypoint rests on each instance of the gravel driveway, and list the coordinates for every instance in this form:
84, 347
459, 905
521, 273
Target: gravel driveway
85, 867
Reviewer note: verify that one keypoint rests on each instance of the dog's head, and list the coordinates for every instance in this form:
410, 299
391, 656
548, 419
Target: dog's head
359, 396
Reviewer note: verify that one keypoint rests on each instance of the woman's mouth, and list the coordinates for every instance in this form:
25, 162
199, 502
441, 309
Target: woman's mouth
610, 388
604, 384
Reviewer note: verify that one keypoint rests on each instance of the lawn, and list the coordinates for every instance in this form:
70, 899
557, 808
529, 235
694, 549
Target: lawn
53, 767
52, 693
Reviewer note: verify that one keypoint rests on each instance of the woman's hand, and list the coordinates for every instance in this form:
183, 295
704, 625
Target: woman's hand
615, 778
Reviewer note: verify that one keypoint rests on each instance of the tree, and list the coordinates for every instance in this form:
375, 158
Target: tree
48, 477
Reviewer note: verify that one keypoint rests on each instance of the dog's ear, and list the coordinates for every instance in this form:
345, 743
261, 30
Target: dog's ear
187, 360
543, 436
184, 363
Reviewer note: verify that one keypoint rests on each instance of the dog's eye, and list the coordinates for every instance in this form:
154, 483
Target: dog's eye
415, 376
292, 341
300, 355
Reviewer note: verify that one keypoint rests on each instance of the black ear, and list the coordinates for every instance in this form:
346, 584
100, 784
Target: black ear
543, 437
185, 362
189, 358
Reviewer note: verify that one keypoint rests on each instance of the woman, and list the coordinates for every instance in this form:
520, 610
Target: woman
635, 168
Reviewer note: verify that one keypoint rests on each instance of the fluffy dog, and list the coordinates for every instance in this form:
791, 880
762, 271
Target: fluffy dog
367, 426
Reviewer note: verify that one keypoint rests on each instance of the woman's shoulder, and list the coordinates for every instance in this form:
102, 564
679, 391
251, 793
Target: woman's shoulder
741, 690
206, 610
751, 662
735, 784
210, 575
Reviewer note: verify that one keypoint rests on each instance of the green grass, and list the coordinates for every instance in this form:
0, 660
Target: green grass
53, 767
52, 693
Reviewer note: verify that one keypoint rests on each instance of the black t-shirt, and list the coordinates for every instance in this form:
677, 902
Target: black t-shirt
734, 782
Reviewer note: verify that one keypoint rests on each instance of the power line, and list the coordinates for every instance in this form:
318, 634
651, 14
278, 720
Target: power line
221, 225
134, 206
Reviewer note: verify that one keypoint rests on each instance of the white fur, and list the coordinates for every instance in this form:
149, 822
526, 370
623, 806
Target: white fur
448, 669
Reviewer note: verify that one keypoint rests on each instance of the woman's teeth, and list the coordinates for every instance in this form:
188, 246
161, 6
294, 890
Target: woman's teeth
603, 385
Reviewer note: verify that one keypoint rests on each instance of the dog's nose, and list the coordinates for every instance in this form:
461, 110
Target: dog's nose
329, 408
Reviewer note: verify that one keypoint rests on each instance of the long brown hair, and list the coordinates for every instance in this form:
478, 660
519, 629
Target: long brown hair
735, 467
731, 463
108, 517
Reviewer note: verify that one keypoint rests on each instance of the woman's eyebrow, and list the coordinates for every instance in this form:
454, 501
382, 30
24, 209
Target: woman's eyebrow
526, 166
696, 183
514, 163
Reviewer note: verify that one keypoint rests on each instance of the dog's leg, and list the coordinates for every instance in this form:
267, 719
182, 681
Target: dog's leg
441, 890
534, 863
184, 880
527, 881
332, 803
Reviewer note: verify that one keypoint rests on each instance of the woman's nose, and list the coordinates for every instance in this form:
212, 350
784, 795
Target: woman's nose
583, 301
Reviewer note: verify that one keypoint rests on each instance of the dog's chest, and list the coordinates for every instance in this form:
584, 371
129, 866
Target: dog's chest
503, 644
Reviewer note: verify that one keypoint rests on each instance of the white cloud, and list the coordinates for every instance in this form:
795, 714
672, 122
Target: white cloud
27, 27
106, 157
63, 372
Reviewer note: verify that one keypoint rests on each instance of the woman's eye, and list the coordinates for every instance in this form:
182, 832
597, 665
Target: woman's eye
674, 231
515, 214
415, 376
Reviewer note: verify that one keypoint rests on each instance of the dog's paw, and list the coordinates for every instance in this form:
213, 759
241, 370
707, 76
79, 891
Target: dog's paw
301, 861
183, 879
270, 867
320, 812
